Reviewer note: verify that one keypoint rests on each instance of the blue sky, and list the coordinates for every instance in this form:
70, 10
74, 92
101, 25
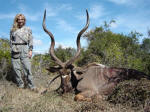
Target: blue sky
65, 18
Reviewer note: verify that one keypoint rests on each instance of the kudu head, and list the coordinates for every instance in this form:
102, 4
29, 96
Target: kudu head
64, 68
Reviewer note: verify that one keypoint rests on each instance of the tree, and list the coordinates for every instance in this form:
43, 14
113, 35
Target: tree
42, 61
64, 54
113, 49
5, 58
146, 45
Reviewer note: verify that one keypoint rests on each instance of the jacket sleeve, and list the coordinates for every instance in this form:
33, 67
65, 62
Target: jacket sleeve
30, 40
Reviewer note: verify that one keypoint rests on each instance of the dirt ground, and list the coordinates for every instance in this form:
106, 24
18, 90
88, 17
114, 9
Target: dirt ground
13, 99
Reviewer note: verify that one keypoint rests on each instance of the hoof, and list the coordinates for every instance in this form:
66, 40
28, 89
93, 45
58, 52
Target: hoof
80, 97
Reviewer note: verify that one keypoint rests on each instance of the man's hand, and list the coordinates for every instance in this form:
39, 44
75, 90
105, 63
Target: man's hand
30, 54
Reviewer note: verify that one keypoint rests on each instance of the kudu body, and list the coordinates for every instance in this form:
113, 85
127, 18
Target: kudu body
92, 79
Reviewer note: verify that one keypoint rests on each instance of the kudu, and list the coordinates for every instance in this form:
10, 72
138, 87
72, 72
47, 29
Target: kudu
92, 79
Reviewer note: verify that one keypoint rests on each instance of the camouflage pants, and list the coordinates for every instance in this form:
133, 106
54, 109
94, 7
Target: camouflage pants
24, 65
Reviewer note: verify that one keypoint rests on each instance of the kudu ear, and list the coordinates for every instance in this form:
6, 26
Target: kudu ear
79, 70
78, 74
54, 69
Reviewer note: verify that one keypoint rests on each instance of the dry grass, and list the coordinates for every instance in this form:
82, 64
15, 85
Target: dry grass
13, 99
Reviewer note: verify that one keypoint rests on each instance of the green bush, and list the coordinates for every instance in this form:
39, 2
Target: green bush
5, 58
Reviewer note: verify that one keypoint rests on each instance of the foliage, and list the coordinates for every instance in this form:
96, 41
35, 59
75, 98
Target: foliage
42, 61
117, 50
146, 45
64, 54
131, 93
5, 60
4, 49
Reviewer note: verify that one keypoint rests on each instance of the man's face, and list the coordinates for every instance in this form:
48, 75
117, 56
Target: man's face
20, 21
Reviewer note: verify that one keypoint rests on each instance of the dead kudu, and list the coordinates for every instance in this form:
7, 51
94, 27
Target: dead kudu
92, 79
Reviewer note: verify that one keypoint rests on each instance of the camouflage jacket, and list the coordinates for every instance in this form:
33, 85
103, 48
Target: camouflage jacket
21, 36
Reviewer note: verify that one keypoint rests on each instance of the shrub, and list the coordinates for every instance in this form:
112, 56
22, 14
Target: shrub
132, 93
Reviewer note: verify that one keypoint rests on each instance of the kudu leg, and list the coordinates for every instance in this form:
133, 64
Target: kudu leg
85, 96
